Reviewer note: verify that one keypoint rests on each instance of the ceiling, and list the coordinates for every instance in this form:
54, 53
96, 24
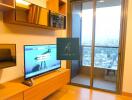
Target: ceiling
106, 3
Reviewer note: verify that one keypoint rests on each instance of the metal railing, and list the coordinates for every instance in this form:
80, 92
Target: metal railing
107, 58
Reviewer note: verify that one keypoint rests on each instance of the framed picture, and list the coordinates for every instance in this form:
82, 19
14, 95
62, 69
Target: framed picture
68, 49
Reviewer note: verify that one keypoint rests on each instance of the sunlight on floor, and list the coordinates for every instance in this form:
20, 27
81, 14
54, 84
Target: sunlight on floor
70, 92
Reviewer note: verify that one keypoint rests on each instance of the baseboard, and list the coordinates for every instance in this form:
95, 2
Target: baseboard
127, 94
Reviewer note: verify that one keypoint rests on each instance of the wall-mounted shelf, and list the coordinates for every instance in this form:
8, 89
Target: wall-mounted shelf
36, 16
13, 21
6, 5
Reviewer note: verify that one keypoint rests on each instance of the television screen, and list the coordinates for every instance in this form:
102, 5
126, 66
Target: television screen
7, 55
40, 59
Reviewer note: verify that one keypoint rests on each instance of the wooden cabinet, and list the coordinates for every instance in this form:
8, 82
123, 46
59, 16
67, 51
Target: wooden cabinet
43, 86
6, 5
50, 84
12, 90
33, 15
18, 96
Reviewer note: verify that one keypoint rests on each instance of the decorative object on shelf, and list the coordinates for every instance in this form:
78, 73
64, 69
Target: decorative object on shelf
28, 82
68, 49
62, 7
57, 20
7, 55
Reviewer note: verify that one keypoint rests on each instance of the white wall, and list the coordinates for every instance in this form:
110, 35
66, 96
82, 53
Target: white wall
127, 84
21, 35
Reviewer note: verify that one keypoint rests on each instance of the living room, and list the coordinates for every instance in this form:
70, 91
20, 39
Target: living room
23, 30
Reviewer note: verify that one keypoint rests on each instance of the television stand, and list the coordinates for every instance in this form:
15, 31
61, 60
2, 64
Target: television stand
59, 70
42, 86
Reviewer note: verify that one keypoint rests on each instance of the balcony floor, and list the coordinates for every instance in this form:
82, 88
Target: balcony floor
83, 79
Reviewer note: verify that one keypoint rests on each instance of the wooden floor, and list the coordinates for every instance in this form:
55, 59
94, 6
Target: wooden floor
70, 92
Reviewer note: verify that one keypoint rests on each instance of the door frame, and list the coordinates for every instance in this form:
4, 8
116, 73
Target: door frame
122, 39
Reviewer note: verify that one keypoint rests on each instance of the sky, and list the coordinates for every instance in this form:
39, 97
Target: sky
107, 27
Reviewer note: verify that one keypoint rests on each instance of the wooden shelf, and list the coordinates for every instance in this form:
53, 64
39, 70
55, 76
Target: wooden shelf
33, 15
21, 6
12, 20
34, 25
4, 7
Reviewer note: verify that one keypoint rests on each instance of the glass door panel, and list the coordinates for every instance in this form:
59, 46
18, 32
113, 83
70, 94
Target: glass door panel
85, 19
76, 31
99, 43
86, 37
107, 33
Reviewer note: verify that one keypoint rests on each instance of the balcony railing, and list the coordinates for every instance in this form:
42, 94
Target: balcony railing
104, 56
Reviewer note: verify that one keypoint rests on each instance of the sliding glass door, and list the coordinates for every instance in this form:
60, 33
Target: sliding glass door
107, 36
97, 23
84, 13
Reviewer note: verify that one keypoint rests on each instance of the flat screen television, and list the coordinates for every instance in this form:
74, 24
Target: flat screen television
39, 59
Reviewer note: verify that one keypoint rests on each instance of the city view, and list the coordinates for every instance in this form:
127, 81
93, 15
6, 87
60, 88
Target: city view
106, 37
103, 57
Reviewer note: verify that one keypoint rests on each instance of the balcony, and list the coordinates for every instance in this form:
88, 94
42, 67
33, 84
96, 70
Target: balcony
104, 57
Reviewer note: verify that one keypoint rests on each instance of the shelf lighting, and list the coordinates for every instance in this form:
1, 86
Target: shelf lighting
22, 2
100, 1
